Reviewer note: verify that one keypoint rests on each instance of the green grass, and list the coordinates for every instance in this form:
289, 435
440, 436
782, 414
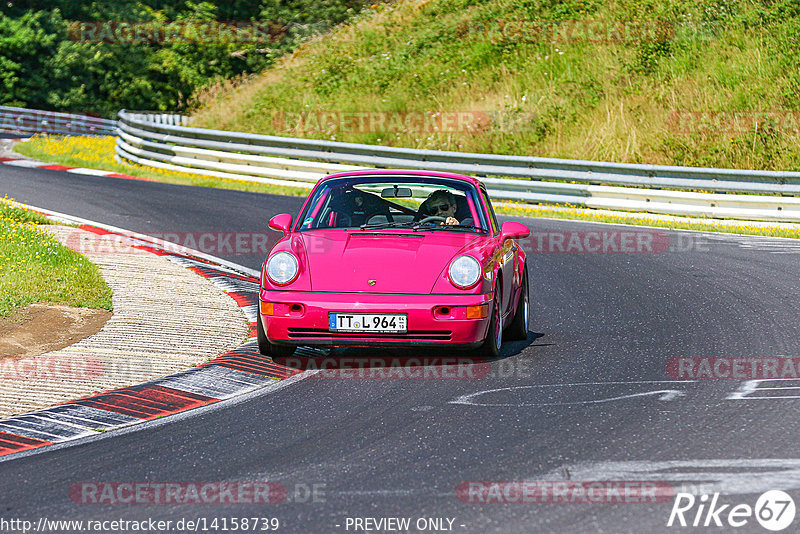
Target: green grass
544, 94
98, 153
34, 267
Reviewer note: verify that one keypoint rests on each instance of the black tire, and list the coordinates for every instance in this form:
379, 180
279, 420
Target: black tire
494, 336
518, 329
269, 349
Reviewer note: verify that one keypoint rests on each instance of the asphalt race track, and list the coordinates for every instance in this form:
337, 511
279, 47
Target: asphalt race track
594, 394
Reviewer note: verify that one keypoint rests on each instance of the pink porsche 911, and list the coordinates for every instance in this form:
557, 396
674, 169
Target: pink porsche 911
394, 258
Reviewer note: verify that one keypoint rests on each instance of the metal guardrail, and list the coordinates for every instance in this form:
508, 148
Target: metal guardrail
171, 119
151, 139
31, 121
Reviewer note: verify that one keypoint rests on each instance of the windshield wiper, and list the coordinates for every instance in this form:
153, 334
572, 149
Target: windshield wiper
388, 224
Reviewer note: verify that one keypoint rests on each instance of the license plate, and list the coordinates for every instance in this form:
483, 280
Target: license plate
367, 322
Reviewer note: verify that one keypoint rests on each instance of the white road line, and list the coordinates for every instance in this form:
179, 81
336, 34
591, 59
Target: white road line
90, 172
26, 163
146, 240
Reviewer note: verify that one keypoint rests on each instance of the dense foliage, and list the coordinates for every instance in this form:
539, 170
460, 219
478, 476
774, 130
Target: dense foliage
713, 83
49, 61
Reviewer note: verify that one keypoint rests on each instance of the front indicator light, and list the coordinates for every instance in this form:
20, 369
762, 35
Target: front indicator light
267, 308
478, 312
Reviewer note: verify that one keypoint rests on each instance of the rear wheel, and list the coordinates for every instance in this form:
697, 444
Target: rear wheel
518, 329
494, 336
265, 347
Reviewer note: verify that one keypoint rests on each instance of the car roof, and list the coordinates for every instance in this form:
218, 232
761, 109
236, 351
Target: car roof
404, 172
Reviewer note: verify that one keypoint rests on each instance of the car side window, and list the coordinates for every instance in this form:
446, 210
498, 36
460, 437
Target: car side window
492, 217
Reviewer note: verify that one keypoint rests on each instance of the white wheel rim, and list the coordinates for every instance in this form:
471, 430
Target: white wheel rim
498, 325
527, 310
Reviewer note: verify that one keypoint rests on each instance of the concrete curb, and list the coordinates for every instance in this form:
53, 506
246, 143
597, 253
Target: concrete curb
35, 164
233, 373
165, 319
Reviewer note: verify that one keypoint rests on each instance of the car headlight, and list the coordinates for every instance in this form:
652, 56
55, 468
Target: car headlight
465, 271
282, 268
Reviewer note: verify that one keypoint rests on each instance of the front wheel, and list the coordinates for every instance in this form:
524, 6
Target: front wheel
494, 337
265, 347
518, 329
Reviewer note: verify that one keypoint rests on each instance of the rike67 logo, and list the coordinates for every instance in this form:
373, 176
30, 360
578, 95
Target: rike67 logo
774, 510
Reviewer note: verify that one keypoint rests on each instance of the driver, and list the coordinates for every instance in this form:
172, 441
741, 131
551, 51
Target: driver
442, 203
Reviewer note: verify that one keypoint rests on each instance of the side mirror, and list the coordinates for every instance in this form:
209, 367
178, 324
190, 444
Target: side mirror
513, 230
281, 223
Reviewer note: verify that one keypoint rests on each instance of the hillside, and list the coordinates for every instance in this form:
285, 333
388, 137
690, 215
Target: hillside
683, 82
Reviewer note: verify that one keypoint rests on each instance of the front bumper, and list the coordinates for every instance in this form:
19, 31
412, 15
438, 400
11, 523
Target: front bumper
301, 318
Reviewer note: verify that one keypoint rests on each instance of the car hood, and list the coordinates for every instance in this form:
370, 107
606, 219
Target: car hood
398, 262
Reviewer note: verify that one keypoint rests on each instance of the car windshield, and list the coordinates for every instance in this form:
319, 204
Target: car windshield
418, 203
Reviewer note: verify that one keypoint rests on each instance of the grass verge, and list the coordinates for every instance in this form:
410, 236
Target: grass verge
98, 153
34, 267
